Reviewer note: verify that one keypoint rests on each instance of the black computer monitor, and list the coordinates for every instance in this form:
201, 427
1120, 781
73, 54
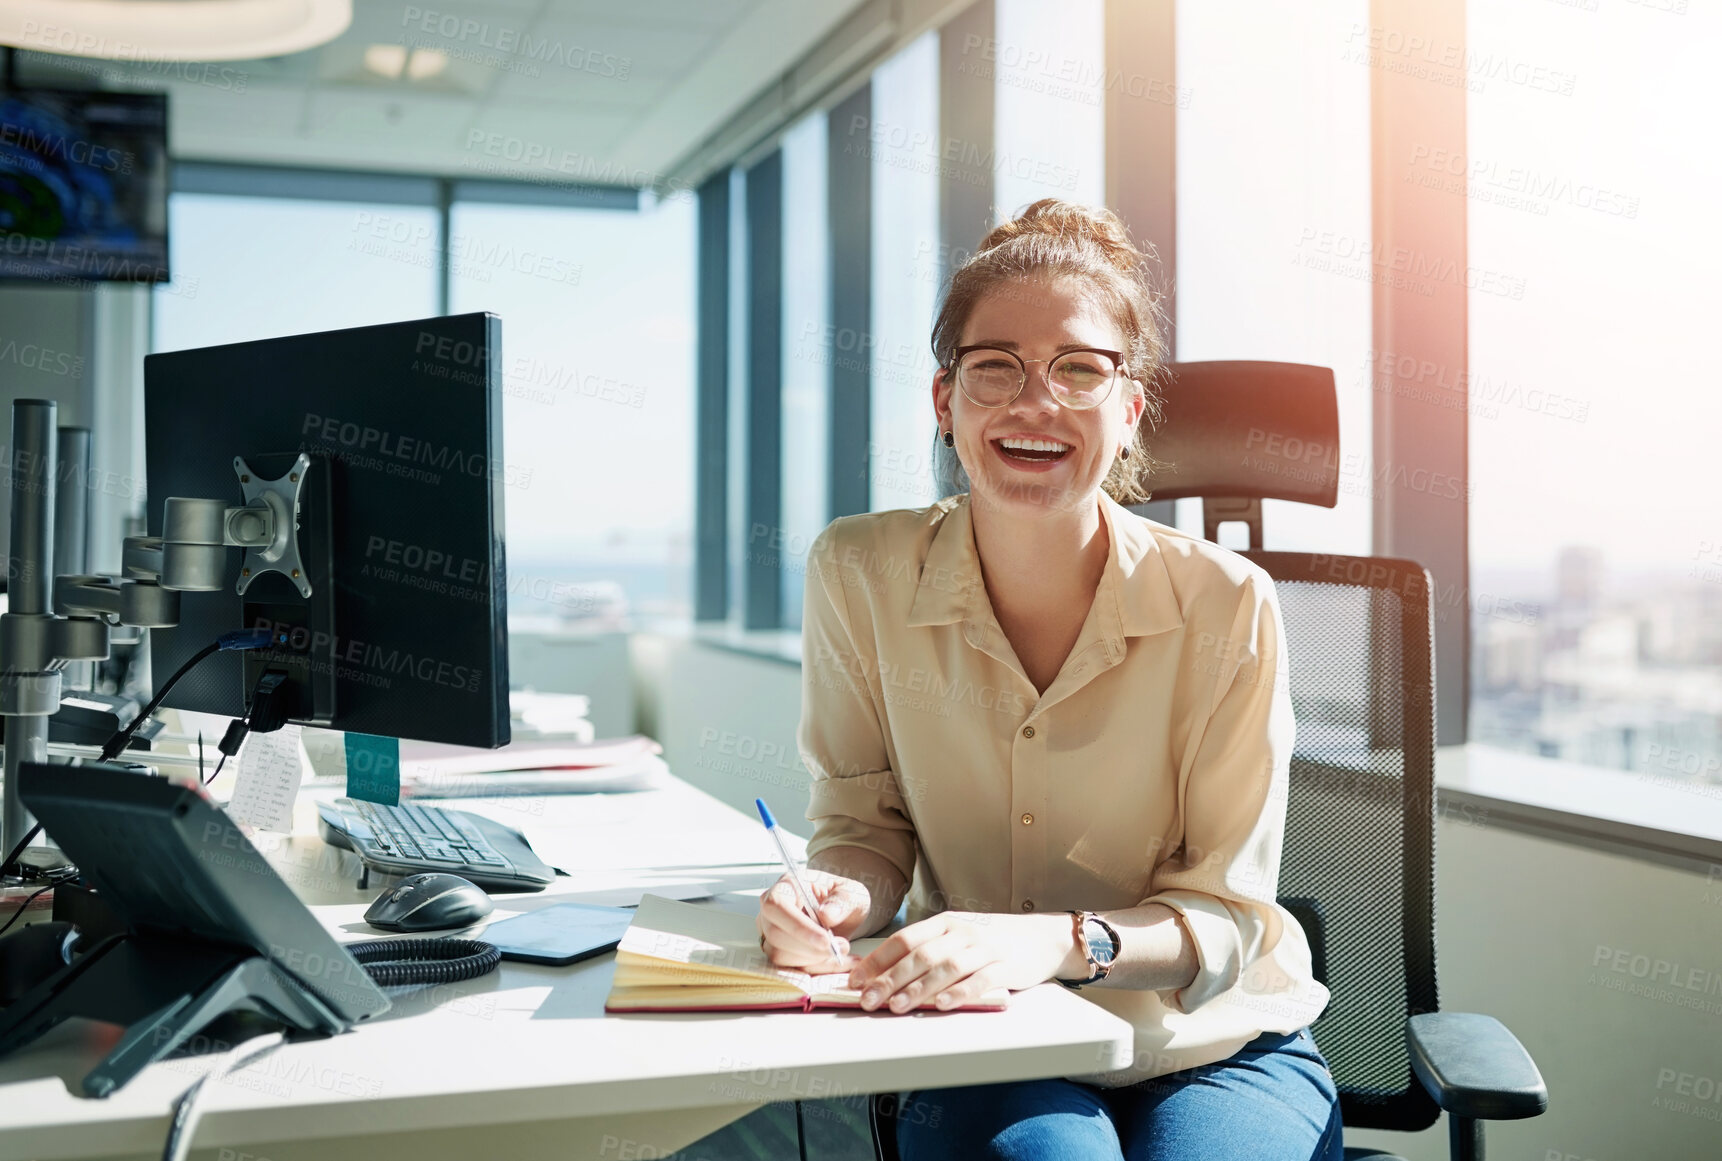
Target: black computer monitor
406, 631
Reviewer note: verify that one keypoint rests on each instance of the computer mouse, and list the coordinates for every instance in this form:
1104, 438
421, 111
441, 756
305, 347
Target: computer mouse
32, 954
429, 902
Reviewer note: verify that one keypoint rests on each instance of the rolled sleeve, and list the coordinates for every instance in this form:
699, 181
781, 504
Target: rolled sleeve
1223, 880
855, 799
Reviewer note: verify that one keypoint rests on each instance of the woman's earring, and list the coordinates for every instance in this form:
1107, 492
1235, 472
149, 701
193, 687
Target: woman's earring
950, 440
1124, 452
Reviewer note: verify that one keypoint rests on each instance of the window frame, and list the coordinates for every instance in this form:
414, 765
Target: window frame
243, 179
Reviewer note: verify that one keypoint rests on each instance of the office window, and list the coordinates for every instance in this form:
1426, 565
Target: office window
1596, 531
1049, 124
808, 349
260, 267
736, 534
597, 311
901, 140
1274, 225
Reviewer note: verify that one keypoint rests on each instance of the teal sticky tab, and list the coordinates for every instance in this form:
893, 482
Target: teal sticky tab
374, 768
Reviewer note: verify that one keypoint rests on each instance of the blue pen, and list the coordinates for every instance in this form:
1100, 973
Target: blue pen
794, 875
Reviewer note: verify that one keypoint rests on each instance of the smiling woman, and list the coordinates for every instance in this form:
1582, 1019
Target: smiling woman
1057, 257
1110, 812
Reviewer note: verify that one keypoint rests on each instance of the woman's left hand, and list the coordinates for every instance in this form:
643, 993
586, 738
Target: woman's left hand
955, 957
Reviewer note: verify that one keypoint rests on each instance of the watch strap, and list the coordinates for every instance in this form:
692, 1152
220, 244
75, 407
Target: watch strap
1098, 970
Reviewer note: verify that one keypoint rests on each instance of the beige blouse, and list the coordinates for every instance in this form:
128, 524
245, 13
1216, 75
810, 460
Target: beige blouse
1152, 770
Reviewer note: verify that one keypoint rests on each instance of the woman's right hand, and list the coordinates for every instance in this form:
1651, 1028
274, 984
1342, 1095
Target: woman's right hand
792, 939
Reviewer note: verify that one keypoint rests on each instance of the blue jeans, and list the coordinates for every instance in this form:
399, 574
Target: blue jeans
1273, 1101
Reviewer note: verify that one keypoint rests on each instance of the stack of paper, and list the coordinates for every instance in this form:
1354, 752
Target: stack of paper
432, 770
534, 715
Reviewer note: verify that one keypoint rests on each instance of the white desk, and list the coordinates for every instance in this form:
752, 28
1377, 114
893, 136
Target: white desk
523, 1063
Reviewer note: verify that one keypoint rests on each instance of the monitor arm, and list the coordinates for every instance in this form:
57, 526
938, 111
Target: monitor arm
190, 556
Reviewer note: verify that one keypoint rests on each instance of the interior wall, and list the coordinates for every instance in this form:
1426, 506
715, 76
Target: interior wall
727, 724
1608, 970
81, 347
117, 487
46, 340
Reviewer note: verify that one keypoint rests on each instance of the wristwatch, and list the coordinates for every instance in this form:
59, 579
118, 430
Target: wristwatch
1100, 943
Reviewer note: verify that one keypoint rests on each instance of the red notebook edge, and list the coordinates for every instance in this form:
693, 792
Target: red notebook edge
805, 1004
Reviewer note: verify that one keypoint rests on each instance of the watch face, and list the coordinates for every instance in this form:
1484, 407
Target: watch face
1099, 942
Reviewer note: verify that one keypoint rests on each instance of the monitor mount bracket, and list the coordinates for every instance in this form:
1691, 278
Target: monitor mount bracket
189, 556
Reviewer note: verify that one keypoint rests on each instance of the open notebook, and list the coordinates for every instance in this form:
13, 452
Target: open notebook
681, 956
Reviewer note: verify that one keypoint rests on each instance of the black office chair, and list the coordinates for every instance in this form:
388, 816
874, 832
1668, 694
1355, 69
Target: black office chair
1358, 866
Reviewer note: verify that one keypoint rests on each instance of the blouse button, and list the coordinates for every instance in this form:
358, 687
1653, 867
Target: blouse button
1028, 731
1028, 820
1028, 904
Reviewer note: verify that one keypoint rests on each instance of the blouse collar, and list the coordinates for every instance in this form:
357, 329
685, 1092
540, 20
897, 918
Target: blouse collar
1135, 597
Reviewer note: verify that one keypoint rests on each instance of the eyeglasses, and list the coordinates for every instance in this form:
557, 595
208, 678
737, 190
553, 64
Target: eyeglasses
1079, 379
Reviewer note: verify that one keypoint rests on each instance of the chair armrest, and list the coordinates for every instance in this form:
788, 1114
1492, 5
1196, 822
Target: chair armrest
1473, 1067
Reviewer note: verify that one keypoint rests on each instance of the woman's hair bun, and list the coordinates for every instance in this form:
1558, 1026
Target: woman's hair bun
1072, 222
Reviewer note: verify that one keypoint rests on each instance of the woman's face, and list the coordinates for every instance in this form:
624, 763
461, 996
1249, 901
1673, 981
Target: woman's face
1038, 319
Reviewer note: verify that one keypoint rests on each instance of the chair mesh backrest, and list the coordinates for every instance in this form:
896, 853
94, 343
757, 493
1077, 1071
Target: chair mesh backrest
1358, 863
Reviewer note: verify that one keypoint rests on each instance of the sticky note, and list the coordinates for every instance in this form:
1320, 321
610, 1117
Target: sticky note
270, 767
374, 768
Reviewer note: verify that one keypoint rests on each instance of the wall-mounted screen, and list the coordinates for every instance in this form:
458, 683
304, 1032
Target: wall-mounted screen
83, 186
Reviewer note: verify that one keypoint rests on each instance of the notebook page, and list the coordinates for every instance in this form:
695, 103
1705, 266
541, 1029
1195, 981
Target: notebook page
711, 944
671, 944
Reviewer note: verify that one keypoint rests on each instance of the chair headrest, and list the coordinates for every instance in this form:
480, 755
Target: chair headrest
1246, 429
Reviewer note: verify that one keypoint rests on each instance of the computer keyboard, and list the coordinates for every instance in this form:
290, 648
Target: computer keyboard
408, 839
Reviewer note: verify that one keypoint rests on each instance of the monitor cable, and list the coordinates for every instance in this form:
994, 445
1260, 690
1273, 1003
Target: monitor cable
268, 713
239, 639
55, 878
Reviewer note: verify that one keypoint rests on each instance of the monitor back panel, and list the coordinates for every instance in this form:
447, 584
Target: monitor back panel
408, 418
